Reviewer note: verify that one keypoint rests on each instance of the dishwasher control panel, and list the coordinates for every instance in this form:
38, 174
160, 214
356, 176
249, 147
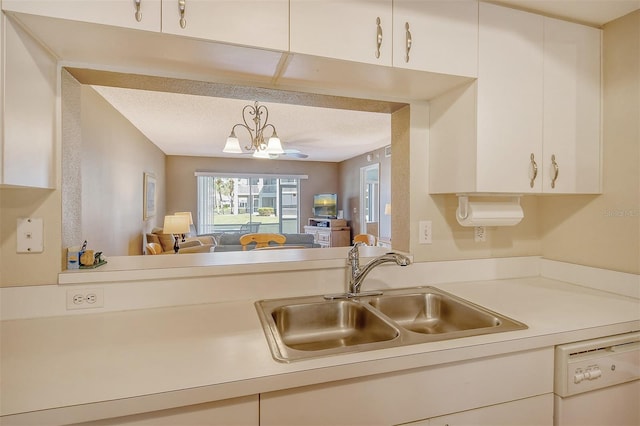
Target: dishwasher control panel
595, 364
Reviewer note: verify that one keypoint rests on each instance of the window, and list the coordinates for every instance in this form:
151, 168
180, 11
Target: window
233, 203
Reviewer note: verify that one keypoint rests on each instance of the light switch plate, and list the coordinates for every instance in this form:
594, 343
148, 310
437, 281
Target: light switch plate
424, 227
30, 235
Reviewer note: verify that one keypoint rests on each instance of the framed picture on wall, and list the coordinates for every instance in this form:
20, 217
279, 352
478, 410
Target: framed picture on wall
149, 196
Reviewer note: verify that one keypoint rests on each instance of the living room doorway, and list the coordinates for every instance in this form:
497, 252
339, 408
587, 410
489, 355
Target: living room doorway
370, 199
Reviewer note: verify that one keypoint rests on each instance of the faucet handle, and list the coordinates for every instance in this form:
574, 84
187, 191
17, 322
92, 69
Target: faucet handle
355, 246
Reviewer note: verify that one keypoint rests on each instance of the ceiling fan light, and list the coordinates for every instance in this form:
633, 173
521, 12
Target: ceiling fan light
275, 146
233, 145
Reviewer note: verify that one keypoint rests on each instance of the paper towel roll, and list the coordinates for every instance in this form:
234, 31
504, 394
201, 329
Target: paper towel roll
491, 214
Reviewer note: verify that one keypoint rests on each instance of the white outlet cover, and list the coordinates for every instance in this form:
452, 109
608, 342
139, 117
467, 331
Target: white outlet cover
85, 298
480, 234
30, 235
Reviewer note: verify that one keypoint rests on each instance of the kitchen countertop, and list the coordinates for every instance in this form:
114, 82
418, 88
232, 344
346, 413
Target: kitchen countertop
185, 355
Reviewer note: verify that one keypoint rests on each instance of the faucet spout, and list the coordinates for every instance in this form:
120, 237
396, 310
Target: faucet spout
359, 273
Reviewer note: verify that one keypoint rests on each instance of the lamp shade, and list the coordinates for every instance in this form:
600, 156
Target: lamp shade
233, 145
188, 214
176, 224
275, 146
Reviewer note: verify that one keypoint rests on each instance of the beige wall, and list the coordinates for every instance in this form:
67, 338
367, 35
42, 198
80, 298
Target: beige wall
181, 181
32, 268
604, 231
115, 156
350, 189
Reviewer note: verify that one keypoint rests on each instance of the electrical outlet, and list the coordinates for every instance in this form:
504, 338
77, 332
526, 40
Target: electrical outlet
480, 234
425, 232
85, 298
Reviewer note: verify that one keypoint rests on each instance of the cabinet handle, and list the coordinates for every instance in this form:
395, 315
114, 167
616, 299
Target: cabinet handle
556, 171
533, 170
181, 8
409, 41
138, 14
379, 37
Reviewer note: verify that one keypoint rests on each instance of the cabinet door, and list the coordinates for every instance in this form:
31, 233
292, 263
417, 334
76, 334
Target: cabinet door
139, 14
242, 411
29, 81
537, 410
510, 88
571, 108
353, 30
442, 36
410, 395
258, 23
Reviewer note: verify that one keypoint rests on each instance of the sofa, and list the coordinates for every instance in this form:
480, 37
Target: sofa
230, 241
191, 244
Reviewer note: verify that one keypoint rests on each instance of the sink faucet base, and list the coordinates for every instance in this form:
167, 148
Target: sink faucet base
352, 295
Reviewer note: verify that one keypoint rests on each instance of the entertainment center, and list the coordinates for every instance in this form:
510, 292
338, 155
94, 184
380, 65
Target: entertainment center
329, 232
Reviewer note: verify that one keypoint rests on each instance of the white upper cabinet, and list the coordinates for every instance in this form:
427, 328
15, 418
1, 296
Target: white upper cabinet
138, 14
572, 127
487, 137
257, 23
352, 30
28, 111
537, 98
438, 36
509, 99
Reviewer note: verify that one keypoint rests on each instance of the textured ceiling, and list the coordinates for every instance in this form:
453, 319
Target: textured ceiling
182, 124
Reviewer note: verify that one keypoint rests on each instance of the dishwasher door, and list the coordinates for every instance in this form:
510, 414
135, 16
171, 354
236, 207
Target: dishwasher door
597, 382
612, 406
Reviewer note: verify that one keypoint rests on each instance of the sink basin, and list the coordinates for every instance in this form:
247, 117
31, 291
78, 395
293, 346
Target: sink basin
332, 324
311, 327
433, 313
308, 327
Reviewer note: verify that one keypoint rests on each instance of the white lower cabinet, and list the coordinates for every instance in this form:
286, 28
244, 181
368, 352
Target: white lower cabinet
523, 412
487, 390
229, 412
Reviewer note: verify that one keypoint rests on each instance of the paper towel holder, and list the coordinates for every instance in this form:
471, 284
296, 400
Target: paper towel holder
506, 212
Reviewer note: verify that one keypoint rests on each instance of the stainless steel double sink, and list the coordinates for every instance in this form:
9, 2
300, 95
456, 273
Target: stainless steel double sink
311, 327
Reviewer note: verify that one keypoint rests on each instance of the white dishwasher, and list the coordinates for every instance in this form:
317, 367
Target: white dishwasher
597, 382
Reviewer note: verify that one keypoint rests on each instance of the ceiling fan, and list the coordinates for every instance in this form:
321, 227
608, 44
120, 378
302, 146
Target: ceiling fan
290, 152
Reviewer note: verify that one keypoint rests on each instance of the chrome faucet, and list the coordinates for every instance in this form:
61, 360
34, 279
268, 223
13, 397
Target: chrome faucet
358, 274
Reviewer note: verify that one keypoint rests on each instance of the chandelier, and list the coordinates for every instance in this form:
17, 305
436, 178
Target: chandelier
260, 148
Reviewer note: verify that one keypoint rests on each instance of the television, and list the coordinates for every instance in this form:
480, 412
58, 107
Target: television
325, 205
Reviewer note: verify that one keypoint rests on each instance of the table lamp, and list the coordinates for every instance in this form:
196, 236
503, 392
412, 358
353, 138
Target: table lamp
176, 225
